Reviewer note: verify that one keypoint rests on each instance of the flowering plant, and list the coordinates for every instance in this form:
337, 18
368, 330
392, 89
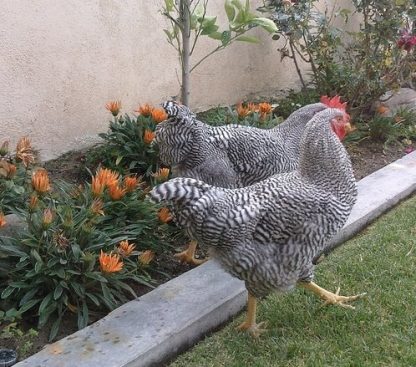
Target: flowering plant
82, 249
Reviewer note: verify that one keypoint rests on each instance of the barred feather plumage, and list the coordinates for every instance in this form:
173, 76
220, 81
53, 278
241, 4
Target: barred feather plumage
267, 234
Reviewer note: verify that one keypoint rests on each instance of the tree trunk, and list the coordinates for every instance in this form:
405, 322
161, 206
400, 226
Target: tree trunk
186, 41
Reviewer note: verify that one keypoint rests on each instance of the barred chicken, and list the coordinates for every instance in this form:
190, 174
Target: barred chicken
230, 156
268, 234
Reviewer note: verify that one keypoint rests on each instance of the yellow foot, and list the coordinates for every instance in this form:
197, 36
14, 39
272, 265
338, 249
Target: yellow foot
335, 299
329, 297
255, 330
186, 257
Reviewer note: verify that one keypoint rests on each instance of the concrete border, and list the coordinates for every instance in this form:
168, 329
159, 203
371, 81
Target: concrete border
158, 325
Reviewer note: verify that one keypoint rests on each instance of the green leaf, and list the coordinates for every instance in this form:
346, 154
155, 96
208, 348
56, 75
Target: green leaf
237, 4
266, 24
250, 39
28, 296
35, 255
169, 5
216, 35
93, 298
225, 39
119, 159
97, 276
45, 302
28, 305
54, 329
83, 316
58, 292
229, 9
7, 292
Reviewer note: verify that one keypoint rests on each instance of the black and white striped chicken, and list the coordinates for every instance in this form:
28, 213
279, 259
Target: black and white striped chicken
268, 234
230, 156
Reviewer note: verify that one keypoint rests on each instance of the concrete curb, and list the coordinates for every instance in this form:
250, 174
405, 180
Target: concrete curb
158, 325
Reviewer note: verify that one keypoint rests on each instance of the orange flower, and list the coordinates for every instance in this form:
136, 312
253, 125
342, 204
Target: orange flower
110, 263
130, 183
7, 169
116, 192
107, 177
24, 151
114, 107
97, 187
148, 136
242, 111
159, 115
382, 109
264, 109
33, 201
47, 217
252, 107
125, 248
97, 207
4, 148
145, 110
40, 181
2, 220
146, 257
161, 175
164, 215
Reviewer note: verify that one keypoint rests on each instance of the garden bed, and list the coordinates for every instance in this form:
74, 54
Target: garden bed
366, 157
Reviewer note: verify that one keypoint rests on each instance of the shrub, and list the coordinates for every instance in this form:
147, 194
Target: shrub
15, 171
81, 250
127, 146
360, 66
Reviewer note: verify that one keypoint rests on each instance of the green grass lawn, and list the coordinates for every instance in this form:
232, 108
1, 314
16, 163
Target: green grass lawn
381, 331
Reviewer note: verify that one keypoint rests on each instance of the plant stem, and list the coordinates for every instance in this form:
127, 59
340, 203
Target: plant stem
295, 61
184, 8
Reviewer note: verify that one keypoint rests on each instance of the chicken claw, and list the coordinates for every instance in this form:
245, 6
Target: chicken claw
249, 324
255, 330
331, 298
188, 256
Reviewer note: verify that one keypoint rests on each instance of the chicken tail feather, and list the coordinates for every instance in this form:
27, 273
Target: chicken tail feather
179, 189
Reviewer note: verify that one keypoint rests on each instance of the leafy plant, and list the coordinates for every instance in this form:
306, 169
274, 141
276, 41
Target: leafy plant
127, 145
15, 169
189, 21
360, 66
12, 331
76, 254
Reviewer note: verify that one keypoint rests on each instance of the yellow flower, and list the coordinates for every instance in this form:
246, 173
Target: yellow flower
2, 220
47, 217
145, 110
130, 183
125, 248
24, 151
164, 215
146, 257
97, 207
40, 181
159, 115
161, 175
114, 107
116, 192
242, 111
110, 263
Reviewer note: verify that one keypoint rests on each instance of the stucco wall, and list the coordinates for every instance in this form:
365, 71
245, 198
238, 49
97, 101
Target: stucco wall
61, 61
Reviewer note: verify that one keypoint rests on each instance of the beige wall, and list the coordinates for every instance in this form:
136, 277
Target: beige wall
62, 60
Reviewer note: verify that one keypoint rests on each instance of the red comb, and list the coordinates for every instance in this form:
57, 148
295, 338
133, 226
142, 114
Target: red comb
334, 102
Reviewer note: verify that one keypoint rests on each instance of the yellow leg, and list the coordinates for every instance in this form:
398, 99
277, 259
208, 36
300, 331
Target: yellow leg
188, 256
249, 323
329, 297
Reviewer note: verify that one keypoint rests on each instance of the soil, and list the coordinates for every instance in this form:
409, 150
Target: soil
366, 156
